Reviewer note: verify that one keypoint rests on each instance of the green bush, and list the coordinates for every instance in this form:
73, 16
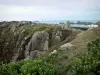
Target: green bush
88, 64
28, 67
38, 67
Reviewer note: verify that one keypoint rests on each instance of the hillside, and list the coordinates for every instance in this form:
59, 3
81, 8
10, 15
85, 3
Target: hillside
19, 41
41, 49
79, 46
84, 38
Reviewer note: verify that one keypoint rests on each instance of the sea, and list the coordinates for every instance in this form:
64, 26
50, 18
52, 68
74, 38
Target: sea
72, 25
59, 21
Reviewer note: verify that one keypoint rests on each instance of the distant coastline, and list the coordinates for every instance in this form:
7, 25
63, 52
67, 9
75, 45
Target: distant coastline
58, 21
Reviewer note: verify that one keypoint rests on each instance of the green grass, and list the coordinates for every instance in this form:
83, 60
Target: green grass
80, 46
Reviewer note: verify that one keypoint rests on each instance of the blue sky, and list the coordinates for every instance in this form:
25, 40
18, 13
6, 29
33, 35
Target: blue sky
49, 10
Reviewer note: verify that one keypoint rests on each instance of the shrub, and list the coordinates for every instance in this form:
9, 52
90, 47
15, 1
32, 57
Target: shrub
88, 64
37, 67
28, 67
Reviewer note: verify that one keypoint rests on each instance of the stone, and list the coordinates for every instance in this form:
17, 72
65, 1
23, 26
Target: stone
53, 53
56, 40
39, 42
66, 46
34, 54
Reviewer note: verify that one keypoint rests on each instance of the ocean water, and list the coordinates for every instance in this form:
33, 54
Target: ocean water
58, 21
72, 25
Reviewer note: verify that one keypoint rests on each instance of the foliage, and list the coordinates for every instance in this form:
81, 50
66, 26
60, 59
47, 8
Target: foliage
7, 44
88, 64
33, 29
28, 67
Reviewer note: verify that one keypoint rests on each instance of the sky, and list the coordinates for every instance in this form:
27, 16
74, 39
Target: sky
49, 10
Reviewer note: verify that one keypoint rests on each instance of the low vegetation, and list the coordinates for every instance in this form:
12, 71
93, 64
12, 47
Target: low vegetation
89, 63
28, 67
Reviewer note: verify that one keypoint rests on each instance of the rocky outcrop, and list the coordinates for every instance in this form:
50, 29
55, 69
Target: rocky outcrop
19, 52
56, 40
56, 36
28, 41
38, 42
31, 46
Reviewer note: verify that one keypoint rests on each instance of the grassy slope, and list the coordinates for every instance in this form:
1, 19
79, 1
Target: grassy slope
80, 43
83, 38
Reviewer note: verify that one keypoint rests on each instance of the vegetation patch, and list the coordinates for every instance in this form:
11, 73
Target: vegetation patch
88, 64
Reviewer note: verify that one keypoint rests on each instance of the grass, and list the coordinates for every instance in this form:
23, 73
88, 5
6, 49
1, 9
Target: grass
80, 46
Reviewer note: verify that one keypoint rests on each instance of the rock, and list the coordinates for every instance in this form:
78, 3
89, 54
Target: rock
66, 46
56, 37
53, 53
30, 46
27, 51
59, 33
56, 40
34, 54
19, 52
39, 41
19, 46
13, 28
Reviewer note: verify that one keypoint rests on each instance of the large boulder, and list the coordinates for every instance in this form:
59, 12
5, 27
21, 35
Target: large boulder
39, 42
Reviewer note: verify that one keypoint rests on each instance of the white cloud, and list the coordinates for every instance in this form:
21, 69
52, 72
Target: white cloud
49, 9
